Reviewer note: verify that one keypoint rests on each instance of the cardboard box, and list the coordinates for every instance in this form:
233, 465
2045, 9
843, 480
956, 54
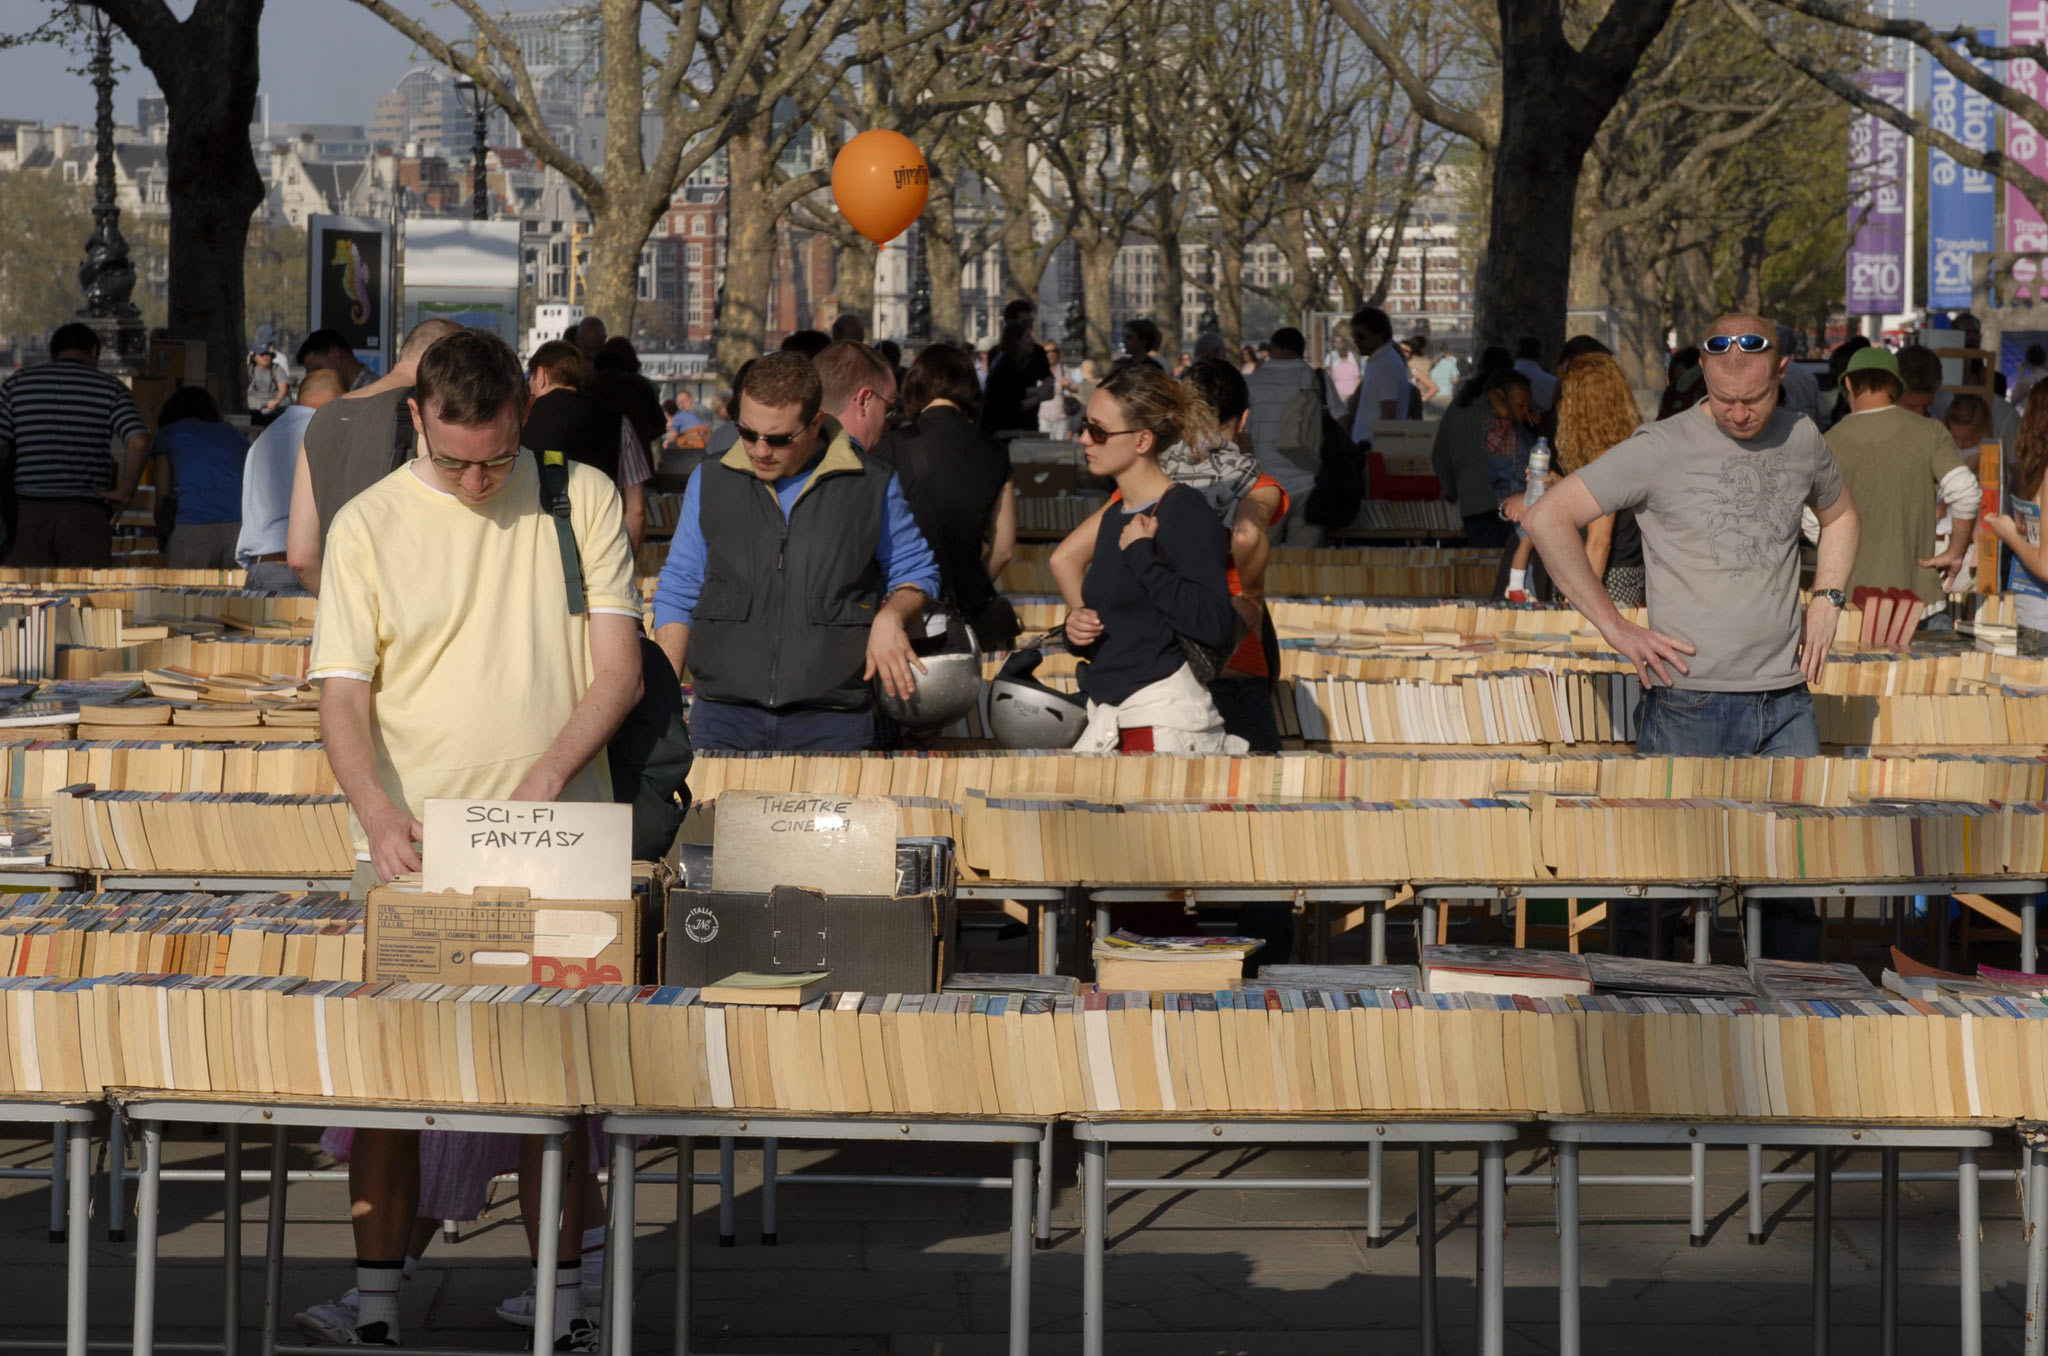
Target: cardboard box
871, 943
500, 937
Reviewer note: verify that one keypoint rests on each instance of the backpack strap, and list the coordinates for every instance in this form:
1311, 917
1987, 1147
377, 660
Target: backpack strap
554, 500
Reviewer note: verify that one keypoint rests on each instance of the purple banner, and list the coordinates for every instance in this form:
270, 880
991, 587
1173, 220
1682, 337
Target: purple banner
1877, 199
2024, 231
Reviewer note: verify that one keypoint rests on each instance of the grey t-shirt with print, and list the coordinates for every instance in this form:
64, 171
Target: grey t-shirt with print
1720, 524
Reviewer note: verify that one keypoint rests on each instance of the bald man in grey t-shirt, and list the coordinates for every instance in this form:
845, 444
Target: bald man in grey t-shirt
1717, 491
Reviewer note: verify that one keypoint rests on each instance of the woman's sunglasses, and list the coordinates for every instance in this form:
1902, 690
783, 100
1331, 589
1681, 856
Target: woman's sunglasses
1096, 433
1748, 343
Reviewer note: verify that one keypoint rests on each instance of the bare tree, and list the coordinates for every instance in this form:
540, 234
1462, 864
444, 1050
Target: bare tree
1554, 96
206, 66
715, 68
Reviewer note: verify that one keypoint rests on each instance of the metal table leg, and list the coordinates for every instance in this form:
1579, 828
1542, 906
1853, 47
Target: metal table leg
117, 1177
1095, 1224
1755, 1154
771, 1172
1967, 1225
78, 1260
231, 1241
1752, 927
1699, 1196
1493, 1194
273, 1243
1376, 925
619, 1249
1425, 924
1888, 1253
1568, 1249
1022, 1163
1375, 1195
548, 1238
1041, 1224
1048, 938
1823, 1225
1101, 920
2037, 1249
144, 1343
1425, 1238
686, 1157
59, 1177
1702, 932
2028, 908
728, 1226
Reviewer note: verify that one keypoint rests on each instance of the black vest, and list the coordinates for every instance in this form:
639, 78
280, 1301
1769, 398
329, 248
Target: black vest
783, 617
570, 422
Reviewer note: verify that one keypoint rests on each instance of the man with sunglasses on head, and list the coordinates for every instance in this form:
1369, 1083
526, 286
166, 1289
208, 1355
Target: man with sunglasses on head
796, 568
451, 667
1717, 492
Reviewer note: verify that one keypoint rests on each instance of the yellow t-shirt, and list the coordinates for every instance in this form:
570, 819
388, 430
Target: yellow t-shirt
457, 615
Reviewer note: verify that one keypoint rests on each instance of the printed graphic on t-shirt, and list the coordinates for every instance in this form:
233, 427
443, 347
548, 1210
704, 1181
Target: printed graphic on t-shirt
1751, 510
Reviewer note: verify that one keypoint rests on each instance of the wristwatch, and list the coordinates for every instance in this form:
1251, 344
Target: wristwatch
1835, 596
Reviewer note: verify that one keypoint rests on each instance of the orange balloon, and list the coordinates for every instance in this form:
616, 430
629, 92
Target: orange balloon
880, 181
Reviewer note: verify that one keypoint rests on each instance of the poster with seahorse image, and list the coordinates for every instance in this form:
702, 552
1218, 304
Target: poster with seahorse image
349, 279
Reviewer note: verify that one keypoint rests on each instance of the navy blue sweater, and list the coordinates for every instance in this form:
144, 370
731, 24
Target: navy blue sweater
1147, 593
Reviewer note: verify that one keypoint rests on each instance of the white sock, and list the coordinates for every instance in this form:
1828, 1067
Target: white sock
593, 1265
377, 1285
1517, 580
412, 1264
568, 1294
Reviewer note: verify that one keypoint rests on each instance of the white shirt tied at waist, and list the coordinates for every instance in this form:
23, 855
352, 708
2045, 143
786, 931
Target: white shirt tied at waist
1177, 708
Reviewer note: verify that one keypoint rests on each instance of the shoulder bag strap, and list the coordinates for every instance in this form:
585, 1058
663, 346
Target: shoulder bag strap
554, 499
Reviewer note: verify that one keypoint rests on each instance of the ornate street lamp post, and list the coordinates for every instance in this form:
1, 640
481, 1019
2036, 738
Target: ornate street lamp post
478, 100
108, 274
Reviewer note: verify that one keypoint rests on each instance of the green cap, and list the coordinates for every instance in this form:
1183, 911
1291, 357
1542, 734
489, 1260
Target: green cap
1874, 359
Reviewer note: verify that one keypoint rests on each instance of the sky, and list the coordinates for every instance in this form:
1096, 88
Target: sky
328, 60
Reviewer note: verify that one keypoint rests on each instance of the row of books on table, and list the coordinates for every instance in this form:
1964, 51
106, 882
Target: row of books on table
1315, 775
88, 934
1271, 1048
208, 833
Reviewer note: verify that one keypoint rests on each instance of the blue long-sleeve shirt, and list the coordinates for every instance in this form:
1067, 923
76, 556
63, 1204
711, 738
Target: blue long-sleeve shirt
902, 553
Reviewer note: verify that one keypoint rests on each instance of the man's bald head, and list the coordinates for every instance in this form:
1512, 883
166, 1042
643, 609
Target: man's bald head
318, 387
424, 336
1742, 388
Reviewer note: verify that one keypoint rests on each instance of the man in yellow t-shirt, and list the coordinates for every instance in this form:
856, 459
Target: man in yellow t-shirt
450, 666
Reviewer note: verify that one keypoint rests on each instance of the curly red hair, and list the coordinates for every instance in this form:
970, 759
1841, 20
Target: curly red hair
1595, 410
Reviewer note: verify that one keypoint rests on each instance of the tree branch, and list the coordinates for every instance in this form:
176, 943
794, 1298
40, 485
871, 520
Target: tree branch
1478, 130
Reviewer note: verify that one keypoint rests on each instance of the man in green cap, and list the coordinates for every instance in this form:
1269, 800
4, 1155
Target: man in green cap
1899, 467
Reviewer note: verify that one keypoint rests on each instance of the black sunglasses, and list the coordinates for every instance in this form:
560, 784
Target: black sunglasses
1748, 343
1096, 433
748, 435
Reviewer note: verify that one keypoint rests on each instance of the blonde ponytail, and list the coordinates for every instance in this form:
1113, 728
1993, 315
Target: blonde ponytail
1171, 410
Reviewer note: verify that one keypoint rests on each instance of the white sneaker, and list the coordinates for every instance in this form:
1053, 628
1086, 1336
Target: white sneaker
518, 1310
334, 1322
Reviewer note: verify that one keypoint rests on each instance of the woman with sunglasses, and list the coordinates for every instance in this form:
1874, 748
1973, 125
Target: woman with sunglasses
1157, 585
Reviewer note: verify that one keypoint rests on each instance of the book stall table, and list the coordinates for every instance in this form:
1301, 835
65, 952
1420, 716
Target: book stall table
1703, 894
1491, 1137
1046, 902
219, 885
626, 1127
72, 1121
1824, 1140
1373, 897
152, 1111
2033, 1136
1754, 894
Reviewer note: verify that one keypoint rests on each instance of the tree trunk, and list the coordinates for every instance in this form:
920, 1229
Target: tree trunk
613, 277
1024, 256
749, 252
1291, 233
1553, 100
207, 68
1173, 277
1098, 266
942, 259
853, 266
1230, 275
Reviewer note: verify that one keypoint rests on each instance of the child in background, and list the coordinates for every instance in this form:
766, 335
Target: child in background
1510, 433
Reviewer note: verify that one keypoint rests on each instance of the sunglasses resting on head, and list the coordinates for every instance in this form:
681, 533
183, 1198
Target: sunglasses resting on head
1748, 343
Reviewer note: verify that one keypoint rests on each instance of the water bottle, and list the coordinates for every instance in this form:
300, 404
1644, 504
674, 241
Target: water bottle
1539, 472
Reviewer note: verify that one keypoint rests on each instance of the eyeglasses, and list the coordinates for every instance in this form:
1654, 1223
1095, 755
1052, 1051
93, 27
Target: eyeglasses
455, 466
748, 436
1096, 433
1748, 343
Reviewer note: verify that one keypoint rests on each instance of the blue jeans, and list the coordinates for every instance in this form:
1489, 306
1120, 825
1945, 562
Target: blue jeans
733, 727
1684, 722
